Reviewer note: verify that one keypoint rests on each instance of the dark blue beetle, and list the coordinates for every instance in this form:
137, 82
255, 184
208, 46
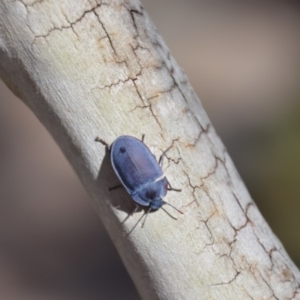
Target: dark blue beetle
139, 172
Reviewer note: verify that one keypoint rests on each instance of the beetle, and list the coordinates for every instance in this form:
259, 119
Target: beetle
139, 172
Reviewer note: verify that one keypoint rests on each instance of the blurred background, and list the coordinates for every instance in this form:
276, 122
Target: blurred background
243, 60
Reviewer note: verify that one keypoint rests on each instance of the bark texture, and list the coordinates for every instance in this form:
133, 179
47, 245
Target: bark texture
99, 68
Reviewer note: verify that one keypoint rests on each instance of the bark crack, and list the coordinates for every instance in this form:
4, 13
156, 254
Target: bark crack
132, 13
71, 24
106, 32
119, 81
228, 282
149, 106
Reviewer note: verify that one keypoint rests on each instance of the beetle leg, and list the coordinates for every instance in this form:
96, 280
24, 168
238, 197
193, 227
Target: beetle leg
97, 139
143, 136
170, 188
160, 161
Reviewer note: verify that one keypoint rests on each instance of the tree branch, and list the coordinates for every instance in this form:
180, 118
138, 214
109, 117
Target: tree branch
98, 68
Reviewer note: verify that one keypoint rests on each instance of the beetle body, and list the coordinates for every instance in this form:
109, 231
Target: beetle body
138, 171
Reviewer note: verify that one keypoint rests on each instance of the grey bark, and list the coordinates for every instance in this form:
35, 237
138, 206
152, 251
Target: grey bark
96, 68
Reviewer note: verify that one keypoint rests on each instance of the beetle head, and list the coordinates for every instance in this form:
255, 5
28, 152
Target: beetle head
150, 194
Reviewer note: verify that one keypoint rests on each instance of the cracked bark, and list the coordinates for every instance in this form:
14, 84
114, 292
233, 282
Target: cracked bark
99, 68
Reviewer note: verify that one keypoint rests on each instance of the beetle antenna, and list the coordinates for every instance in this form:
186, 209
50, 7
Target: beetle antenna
139, 220
164, 202
146, 216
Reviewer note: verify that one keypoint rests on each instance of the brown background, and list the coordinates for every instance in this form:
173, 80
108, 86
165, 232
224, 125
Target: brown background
243, 60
